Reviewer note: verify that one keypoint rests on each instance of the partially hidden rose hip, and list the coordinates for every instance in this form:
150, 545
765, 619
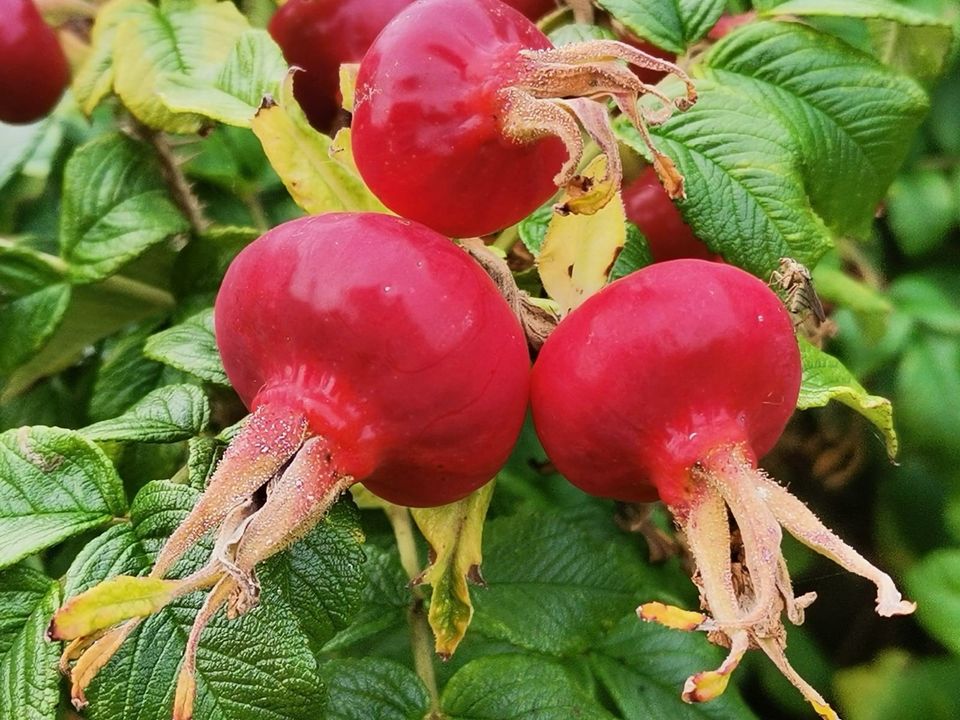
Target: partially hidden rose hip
671, 383
467, 119
33, 68
369, 349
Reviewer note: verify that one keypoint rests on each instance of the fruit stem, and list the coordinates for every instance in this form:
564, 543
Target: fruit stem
421, 641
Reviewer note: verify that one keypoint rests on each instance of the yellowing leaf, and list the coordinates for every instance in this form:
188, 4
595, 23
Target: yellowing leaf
348, 84
111, 602
302, 158
579, 250
94, 80
455, 533
176, 39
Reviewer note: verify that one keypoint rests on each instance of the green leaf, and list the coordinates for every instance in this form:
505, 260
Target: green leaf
125, 375
851, 118
302, 158
835, 286
509, 687
745, 194
643, 667
934, 584
372, 688
191, 347
17, 142
385, 599
322, 574
29, 675
179, 40
825, 378
553, 586
931, 298
898, 686
635, 254
27, 323
669, 24
115, 207
922, 211
533, 228
911, 41
455, 533
23, 271
53, 484
256, 666
168, 414
927, 380
254, 68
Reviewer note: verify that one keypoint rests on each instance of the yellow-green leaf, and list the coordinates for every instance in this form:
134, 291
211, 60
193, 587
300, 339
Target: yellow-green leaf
455, 533
111, 602
94, 80
302, 158
178, 38
825, 378
579, 250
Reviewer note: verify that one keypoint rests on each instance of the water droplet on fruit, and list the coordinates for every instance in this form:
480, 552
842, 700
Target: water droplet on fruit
759, 318
386, 288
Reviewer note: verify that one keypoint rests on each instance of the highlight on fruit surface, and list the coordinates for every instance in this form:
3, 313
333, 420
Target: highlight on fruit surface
467, 119
368, 349
33, 68
694, 370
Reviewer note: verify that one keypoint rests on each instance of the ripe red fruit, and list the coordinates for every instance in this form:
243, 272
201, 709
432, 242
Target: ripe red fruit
320, 35
671, 382
533, 9
33, 68
653, 212
370, 349
456, 129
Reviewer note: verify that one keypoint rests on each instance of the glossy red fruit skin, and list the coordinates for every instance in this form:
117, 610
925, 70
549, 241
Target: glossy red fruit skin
395, 343
659, 368
649, 208
426, 126
320, 35
33, 69
533, 9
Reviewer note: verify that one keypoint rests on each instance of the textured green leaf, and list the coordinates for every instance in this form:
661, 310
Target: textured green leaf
635, 254
29, 676
851, 118
825, 378
745, 194
643, 667
368, 688
903, 37
508, 687
177, 40
258, 666
191, 347
322, 575
533, 228
254, 68
23, 271
115, 207
125, 374
16, 144
935, 586
668, 24
168, 414
53, 485
384, 601
552, 585
27, 323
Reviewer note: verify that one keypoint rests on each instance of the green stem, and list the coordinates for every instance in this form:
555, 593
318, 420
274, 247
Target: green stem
421, 640
508, 238
116, 283
252, 202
